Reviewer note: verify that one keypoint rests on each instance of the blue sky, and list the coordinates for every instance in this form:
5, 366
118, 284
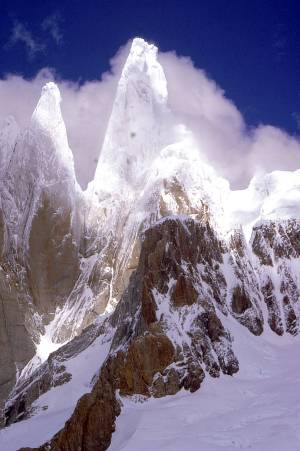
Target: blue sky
251, 49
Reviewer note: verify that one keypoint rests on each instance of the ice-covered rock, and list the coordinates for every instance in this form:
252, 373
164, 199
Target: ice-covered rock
8, 137
53, 157
158, 247
39, 230
136, 130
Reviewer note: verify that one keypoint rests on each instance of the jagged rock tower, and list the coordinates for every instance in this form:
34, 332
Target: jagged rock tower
143, 271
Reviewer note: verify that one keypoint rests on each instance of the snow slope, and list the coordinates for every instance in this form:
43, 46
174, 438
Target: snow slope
148, 160
273, 196
257, 409
56, 406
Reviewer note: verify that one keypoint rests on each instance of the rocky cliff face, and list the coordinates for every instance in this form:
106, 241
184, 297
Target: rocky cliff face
40, 231
166, 332
149, 263
276, 245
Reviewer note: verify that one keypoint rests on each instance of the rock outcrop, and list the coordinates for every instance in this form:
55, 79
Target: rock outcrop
167, 327
151, 354
154, 259
40, 230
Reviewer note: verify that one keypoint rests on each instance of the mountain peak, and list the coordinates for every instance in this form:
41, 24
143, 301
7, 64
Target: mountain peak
49, 128
141, 50
47, 112
142, 61
135, 133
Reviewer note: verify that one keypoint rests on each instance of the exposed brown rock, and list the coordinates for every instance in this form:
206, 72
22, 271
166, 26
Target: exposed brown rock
16, 345
145, 357
38, 268
148, 304
149, 363
169, 382
184, 292
50, 374
290, 316
181, 203
245, 302
260, 236
279, 238
237, 243
274, 318
53, 255
194, 377
93, 421
240, 300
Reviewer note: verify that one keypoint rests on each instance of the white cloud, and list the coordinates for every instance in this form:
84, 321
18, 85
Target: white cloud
86, 109
21, 34
52, 25
236, 151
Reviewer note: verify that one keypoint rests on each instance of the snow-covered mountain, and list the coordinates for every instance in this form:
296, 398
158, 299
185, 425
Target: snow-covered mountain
147, 284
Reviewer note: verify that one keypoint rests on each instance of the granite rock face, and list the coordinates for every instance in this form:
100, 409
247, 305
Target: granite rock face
276, 245
167, 327
154, 259
150, 354
40, 230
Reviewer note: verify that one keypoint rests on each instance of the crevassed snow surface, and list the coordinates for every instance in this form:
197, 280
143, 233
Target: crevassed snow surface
258, 409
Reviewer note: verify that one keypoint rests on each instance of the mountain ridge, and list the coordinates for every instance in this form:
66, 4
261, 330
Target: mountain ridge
149, 262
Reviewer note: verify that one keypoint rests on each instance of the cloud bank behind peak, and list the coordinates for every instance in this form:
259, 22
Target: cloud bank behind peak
236, 151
